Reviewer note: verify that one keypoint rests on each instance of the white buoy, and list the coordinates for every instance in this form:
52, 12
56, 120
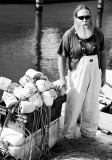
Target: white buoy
29, 90
18, 92
13, 137
9, 99
25, 80
33, 74
43, 85
36, 100
5, 83
27, 107
48, 99
12, 87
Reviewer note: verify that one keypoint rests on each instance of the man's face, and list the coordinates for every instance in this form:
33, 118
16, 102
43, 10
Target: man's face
83, 24
83, 17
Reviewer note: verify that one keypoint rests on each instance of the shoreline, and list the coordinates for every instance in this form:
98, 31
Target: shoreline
44, 1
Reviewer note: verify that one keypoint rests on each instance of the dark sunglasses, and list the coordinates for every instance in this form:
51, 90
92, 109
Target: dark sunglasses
84, 17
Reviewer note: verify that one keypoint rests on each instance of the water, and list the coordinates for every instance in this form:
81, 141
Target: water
30, 40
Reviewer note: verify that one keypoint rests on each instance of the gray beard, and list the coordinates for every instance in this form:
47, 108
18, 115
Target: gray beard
84, 32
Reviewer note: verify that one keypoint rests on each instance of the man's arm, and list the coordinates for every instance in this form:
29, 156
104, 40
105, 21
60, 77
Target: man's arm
103, 61
62, 66
62, 70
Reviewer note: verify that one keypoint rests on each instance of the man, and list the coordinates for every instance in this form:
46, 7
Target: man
83, 46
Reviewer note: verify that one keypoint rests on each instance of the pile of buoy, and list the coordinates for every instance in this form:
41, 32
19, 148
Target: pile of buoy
33, 90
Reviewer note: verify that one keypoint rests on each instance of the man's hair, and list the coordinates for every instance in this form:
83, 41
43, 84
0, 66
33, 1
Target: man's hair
80, 7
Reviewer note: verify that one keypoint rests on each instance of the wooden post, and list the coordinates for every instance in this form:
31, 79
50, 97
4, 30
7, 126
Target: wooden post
100, 7
39, 5
38, 33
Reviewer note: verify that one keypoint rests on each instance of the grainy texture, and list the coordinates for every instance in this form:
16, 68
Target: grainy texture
80, 148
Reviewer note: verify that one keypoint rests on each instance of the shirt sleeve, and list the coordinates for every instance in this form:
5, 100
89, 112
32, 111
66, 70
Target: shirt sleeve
101, 37
64, 47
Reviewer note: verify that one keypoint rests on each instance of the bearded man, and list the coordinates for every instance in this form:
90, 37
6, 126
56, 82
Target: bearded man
83, 46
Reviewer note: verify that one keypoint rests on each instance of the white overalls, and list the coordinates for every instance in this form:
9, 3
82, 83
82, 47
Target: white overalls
84, 84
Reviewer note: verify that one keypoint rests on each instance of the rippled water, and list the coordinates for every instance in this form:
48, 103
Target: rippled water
30, 40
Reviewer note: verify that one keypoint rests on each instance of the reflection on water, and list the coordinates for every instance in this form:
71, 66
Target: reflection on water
29, 39
49, 44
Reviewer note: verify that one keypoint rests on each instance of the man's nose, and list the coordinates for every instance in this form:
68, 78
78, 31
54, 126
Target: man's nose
84, 19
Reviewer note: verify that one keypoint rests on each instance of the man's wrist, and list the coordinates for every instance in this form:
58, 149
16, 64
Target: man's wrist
104, 72
63, 80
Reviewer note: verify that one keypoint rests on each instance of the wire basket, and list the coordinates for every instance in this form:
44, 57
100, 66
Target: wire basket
35, 145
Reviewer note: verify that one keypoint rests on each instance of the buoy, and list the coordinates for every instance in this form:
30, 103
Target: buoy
9, 99
43, 85
4, 83
13, 137
47, 98
18, 92
12, 87
35, 75
25, 80
29, 90
36, 100
26, 107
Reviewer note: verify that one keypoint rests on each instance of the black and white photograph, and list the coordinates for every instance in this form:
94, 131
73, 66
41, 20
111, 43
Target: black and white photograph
55, 80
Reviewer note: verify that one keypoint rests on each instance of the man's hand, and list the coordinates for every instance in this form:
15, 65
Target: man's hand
61, 83
103, 80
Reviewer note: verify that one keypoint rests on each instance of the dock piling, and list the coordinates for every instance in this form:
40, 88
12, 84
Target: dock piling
100, 7
39, 5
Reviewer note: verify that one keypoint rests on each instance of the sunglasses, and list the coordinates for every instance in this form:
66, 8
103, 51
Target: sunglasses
84, 17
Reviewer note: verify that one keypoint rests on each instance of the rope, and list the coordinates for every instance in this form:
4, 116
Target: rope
8, 116
42, 119
6, 120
